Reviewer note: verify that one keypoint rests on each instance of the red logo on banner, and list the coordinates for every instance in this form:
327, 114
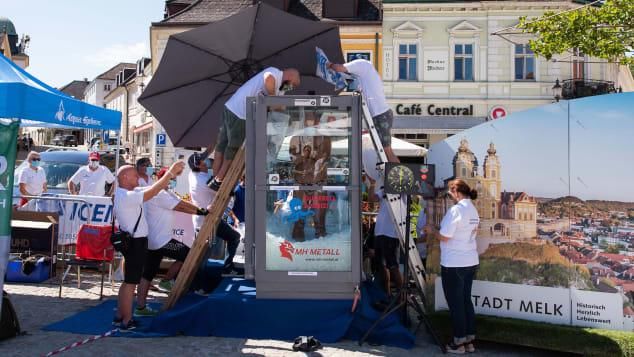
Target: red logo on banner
497, 112
286, 250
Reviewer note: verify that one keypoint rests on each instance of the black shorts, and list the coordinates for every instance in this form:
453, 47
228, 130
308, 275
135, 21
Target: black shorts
173, 249
135, 260
387, 249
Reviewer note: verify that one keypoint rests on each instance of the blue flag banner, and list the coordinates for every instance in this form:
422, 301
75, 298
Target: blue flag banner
8, 149
336, 78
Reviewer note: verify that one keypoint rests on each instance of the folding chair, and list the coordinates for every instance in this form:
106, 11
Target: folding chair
93, 250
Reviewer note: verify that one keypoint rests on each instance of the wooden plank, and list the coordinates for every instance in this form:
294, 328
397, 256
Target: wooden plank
208, 229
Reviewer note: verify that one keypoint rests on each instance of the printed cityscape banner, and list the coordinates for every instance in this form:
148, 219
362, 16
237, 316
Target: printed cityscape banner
556, 210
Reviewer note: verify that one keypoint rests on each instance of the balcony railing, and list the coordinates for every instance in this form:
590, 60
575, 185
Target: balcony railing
579, 88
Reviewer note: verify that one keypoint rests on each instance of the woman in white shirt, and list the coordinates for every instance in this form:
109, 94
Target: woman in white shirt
459, 263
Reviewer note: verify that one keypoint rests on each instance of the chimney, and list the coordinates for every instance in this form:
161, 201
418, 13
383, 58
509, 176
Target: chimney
340, 9
174, 6
279, 4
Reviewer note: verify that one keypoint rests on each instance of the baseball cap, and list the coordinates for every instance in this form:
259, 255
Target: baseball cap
196, 158
162, 172
93, 156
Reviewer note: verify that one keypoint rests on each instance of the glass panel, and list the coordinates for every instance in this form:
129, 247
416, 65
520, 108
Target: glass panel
468, 49
412, 68
402, 68
528, 49
402, 49
412, 49
530, 67
519, 68
308, 146
458, 49
458, 69
519, 49
468, 69
308, 231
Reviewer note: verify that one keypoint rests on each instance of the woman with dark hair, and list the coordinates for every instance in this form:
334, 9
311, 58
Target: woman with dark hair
459, 263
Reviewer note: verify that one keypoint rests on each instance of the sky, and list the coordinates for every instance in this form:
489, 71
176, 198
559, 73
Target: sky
532, 147
77, 39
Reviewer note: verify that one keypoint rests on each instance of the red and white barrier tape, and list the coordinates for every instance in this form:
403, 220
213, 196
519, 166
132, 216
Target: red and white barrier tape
79, 343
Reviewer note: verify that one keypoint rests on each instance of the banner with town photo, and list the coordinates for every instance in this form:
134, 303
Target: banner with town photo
556, 238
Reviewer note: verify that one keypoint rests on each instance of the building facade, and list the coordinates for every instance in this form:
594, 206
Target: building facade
97, 90
11, 46
445, 71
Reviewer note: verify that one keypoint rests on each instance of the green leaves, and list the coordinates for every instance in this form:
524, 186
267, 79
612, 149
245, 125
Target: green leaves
605, 31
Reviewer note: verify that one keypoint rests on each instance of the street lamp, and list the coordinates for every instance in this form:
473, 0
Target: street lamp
557, 90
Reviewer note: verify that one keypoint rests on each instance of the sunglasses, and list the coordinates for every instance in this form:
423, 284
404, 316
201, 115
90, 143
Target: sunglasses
38, 159
94, 160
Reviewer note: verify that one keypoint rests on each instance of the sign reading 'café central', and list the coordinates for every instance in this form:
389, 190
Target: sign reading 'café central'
432, 109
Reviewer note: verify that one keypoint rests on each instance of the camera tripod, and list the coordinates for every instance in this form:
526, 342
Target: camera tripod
406, 296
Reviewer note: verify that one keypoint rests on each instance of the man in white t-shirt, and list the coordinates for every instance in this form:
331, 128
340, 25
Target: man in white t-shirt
32, 180
130, 216
203, 196
160, 217
270, 81
145, 170
371, 88
91, 178
386, 238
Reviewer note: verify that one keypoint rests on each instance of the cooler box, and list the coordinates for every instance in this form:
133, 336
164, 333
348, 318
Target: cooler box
15, 274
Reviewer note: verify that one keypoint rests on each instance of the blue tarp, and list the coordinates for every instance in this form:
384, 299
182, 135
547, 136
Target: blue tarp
25, 97
233, 311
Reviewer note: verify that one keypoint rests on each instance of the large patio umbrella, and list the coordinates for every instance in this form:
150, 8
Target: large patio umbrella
202, 68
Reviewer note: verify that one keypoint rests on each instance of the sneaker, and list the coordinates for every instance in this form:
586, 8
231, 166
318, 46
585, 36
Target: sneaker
201, 292
230, 273
469, 347
146, 311
455, 349
215, 184
123, 327
166, 285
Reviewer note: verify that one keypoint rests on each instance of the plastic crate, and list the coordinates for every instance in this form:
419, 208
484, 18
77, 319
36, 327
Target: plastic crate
15, 274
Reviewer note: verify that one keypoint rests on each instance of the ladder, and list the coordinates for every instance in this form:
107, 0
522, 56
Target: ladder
395, 202
207, 231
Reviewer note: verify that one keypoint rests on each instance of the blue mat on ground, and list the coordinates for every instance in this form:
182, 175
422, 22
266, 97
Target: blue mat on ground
233, 311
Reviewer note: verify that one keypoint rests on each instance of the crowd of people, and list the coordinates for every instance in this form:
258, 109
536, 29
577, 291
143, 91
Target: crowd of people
145, 202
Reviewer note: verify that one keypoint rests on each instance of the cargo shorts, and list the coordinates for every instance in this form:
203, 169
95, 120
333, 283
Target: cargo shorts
383, 124
231, 134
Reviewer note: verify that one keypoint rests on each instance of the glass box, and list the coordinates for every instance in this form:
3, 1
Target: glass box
303, 172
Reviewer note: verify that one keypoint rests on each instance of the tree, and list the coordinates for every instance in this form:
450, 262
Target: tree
603, 30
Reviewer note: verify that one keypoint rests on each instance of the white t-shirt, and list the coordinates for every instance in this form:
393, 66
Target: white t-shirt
371, 85
92, 182
127, 206
202, 196
237, 104
384, 224
160, 217
460, 224
33, 179
143, 183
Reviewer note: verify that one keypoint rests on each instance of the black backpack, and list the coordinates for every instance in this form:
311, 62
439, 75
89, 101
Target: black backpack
9, 325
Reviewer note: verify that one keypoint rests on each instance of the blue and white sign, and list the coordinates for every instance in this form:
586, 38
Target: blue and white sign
161, 139
96, 210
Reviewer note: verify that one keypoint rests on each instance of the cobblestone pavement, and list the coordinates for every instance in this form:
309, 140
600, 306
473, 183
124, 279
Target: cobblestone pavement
38, 305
